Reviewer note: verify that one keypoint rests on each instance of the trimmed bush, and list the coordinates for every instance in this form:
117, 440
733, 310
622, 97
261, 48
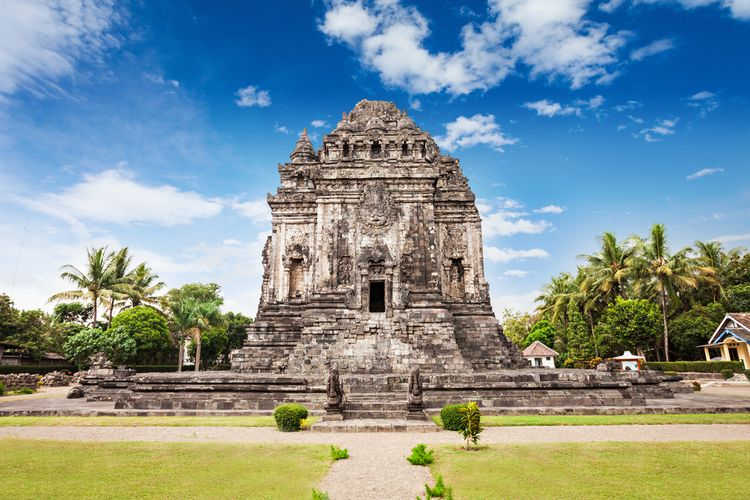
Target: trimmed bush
40, 370
696, 366
289, 416
420, 455
339, 453
451, 417
727, 374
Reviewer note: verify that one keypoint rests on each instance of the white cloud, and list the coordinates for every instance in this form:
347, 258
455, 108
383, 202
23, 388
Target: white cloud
703, 173
653, 48
732, 238
516, 273
552, 38
739, 9
116, 196
256, 210
466, 132
631, 104
41, 42
253, 96
525, 302
504, 217
550, 209
659, 131
503, 255
282, 129
319, 123
610, 6
160, 80
415, 104
704, 101
548, 108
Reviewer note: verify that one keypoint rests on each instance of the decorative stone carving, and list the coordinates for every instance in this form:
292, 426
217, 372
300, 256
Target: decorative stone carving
454, 244
334, 389
415, 387
377, 210
75, 392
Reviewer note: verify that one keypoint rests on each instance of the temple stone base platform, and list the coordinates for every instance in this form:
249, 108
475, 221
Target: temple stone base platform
385, 396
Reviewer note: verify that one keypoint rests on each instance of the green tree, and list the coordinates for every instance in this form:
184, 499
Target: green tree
120, 280
190, 318
555, 297
664, 275
214, 343
517, 326
115, 343
580, 342
200, 292
91, 284
9, 317
693, 328
149, 330
237, 324
543, 331
738, 298
73, 312
631, 324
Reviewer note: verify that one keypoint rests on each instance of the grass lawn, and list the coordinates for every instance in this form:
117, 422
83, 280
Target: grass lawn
263, 421
595, 470
689, 418
57, 469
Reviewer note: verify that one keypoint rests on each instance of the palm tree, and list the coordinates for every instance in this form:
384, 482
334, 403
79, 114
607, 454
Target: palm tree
190, 318
711, 255
555, 297
120, 279
607, 270
664, 275
144, 286
90, 284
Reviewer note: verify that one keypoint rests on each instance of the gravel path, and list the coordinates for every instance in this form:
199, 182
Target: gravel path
377, 467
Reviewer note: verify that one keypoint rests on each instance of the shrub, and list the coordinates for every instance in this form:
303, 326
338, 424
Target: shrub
319, 495
470, 423
2, 388
727, 374
696, 366
696, 386
289, 416
438, 491
25, 390
420, 455
747, 374
451, 417
338, 453
148, 328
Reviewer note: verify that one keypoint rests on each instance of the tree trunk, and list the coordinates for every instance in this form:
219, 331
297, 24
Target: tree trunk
664, 318
111, 312
93, 321
197, 351
181, 353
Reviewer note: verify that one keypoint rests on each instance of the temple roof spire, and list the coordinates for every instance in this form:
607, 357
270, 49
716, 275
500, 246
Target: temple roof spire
303, 151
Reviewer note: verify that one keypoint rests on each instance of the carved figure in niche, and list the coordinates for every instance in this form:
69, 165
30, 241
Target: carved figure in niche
454, 245
376, 208
97, 360
407, 269
345, 270
334, 389
415, 387
296, 278
456, 277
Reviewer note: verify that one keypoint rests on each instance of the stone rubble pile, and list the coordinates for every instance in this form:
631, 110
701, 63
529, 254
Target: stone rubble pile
57, 379
15, 381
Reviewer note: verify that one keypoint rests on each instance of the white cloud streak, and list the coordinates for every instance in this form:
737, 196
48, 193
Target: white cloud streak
504, 255
703, 173
653, 48
550, 209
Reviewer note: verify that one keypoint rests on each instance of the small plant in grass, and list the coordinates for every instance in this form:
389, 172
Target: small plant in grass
339, 453
420, 455
696, 386
25, 390
451, 417
289, 416
470, 423
305, 424
438, 491
319, 495
727, 374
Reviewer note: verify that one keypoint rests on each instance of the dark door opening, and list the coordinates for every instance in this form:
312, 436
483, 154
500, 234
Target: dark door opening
377, 296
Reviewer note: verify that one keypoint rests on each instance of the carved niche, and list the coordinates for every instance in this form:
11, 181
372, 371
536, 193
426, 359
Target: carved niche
344, 271
454, 241
377, 210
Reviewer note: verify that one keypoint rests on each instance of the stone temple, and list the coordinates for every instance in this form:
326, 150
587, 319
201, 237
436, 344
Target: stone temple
375, 261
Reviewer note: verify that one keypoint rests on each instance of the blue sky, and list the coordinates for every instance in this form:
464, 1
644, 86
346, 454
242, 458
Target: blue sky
159, 125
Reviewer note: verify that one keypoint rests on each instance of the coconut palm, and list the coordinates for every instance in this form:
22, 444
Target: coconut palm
711, 255
662, 275
144, 286
607, 271
92, 283
555, 297
120, 280
189, 318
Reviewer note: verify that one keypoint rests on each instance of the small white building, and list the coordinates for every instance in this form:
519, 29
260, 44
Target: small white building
539, 355
629, 361
731, 340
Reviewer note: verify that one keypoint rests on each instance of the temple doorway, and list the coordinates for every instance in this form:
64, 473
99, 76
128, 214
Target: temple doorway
377, 296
